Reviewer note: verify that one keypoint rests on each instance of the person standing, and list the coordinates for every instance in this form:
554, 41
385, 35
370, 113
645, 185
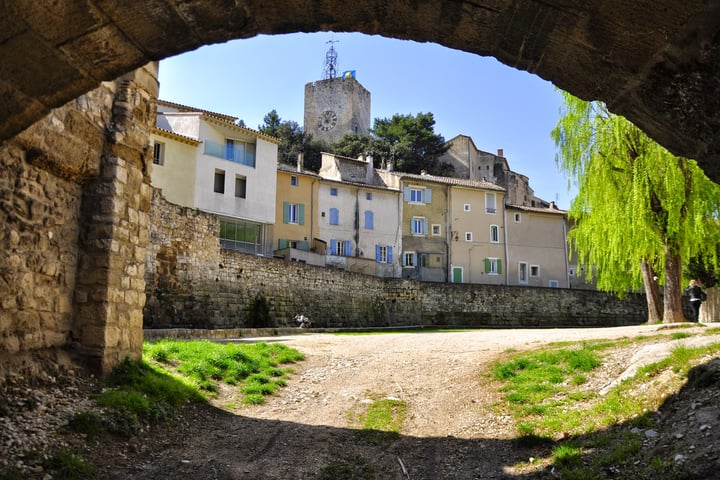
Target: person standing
696, 298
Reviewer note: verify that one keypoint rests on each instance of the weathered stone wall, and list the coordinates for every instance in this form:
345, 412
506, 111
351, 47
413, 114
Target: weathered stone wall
191, 283
74, 197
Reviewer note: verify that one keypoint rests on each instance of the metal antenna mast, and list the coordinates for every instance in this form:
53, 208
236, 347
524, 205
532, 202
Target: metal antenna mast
330, 69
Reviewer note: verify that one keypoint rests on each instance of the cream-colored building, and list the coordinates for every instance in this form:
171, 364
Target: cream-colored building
537, 246
359, 217
477, 233
205, 160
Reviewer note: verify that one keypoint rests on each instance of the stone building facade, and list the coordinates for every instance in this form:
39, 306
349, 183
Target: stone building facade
336, 106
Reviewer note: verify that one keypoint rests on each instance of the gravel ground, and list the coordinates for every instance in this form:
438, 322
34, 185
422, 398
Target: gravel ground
310, 428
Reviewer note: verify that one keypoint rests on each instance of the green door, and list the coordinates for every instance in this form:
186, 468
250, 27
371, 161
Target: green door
457, 274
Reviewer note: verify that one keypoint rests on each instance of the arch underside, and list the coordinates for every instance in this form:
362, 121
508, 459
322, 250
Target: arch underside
657, 63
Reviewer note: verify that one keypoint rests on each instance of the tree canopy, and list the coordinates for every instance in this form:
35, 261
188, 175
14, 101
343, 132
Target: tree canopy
638, 206
293, 141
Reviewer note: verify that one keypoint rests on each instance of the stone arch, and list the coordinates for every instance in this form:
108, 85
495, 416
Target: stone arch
656, 64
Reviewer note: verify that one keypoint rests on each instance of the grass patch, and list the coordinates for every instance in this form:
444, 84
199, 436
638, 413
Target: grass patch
257, 369
592, 434
382, 419
356, 468
69, 465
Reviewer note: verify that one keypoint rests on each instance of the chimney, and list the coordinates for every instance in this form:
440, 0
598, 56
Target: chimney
369, 170
301, 160
500, 152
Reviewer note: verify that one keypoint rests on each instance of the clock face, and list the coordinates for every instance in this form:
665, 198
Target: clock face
327, 120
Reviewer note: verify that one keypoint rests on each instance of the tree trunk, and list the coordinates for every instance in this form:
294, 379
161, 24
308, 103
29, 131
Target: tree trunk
673, 312
652, 293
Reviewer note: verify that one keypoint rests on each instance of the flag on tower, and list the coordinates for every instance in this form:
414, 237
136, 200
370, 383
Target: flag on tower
348, 74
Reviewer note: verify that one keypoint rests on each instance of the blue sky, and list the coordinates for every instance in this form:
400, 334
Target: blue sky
498, 106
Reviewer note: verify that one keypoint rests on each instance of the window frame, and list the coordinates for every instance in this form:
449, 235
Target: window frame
534, 271
414, 223
523, 273
409, 259
158, 153
466, 207
490, 210
218, 184
333, 191
496, 230
436, 229
468, 236
294, 181
415, 193
293, 213
241, 192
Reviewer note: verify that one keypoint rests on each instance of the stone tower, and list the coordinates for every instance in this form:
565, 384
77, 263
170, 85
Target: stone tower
336, 106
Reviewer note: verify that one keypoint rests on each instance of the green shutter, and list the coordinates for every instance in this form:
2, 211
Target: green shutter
487, 265
301, 214
499, 262
286, 212
282, 243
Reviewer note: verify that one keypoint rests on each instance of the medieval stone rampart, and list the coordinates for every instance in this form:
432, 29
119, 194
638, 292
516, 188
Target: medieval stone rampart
192, 283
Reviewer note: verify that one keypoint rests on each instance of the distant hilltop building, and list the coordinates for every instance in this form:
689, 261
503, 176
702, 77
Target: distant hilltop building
336, 105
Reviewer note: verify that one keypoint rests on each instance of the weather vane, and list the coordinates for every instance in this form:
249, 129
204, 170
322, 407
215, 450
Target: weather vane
330, 69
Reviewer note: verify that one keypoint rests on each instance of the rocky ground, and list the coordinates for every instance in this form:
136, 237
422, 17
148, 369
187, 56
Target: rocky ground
309, 430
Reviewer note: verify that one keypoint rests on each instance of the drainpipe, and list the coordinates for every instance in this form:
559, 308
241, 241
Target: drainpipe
357, 223
567, 260
505, 237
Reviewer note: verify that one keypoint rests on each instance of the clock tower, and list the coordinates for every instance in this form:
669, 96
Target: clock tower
336, 105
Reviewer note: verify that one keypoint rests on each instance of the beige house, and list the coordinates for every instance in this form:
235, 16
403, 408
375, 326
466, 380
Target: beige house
537, 246
477, 232
359, 217
204, 160
423, 208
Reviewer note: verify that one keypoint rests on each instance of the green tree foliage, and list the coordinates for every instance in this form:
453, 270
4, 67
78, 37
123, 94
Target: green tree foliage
409, 143
293, 141
637, 204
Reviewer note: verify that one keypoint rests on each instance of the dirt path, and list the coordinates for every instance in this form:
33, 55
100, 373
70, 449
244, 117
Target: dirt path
308, 429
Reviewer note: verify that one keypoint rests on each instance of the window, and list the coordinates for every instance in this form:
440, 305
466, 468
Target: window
493, 266
517, 218
241, 236
468, 236
294, 213
293, 180
419, 226
409, 259
219, 186
494, 234
369, 220
383, 253
466, 207
240, 186
341, 247
368, 195
436, 229
334, 216
417, 195
333, 191
534, 270
490, 203
554, 284
523, 272
159, 153
240, 152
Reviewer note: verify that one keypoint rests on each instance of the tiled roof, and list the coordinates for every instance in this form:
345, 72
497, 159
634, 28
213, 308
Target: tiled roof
451, 181
186, 108
170, 134
293, 169
526, 208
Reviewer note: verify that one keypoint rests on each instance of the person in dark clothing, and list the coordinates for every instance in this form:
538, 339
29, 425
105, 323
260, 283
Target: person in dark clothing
696, 297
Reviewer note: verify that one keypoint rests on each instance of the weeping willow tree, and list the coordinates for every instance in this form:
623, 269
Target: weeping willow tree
639, 210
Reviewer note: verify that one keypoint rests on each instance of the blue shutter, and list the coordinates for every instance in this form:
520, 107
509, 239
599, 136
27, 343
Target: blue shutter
425, 226
334, 216
377, 252
369, 223
348, 248
389, 250
406, 194
286, 212
301, 214
333, 247
428, 195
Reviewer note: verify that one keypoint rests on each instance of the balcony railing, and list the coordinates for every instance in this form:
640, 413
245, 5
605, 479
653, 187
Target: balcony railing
237, 152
